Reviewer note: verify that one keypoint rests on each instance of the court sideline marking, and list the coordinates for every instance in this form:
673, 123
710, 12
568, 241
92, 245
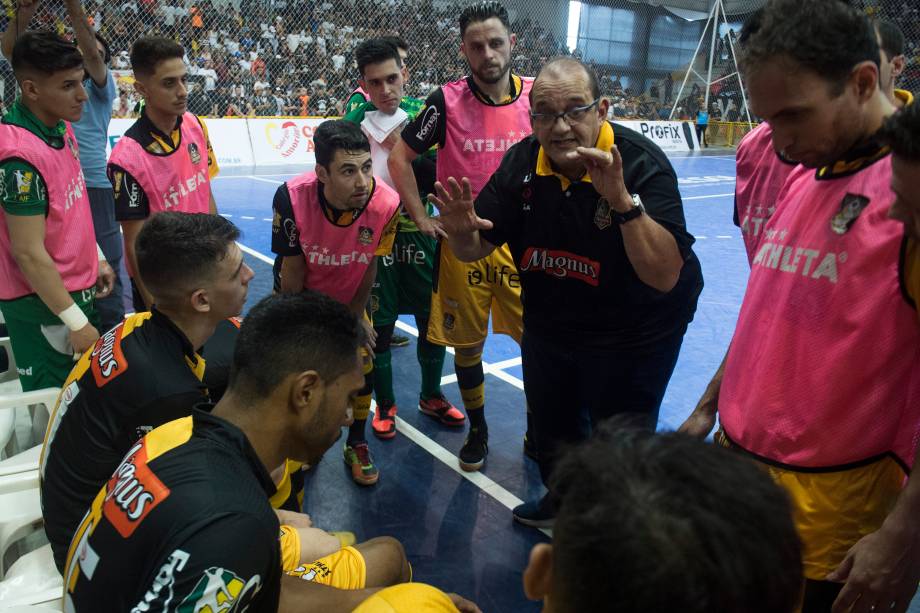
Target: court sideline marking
479, 479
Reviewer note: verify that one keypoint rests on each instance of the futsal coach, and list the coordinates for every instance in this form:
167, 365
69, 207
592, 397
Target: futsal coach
594, 220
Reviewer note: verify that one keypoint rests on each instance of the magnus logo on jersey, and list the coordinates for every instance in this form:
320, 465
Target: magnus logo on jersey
132, 492
562, 264
107, 359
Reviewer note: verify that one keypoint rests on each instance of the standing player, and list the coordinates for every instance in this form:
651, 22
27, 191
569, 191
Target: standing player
361, 96
892, 61
50, 266
822, 378
330, 225
164, 162
473, 121
403, 282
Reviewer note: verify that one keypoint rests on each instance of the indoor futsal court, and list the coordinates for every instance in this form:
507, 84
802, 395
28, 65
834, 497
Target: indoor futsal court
457, 527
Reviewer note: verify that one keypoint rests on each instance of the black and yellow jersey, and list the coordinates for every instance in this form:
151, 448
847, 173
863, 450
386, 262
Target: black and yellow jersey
140, 375
182, 525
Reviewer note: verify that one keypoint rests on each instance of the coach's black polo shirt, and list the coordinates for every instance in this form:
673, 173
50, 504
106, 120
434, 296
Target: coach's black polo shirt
183, 524
578, 286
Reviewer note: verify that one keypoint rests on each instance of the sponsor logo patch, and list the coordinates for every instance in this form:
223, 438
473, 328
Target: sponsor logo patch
220, 591
365, 235
562, 264
107, 359
193, 153
850, 208
132, 492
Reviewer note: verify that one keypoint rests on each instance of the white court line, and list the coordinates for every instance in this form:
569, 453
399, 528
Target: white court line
723, 236
709, 196
479, 479
247, 217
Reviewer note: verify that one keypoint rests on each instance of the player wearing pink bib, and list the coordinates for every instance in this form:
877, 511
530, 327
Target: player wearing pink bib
822, 380
473, 121
164, 162
50, 266
330, 226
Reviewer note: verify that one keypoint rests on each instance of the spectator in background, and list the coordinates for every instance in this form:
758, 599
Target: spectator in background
891, 65
702, 122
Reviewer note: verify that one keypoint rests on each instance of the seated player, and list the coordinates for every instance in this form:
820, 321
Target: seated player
330, 226
184, 522
147, 370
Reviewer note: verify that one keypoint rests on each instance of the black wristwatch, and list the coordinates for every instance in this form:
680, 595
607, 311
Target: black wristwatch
636, 210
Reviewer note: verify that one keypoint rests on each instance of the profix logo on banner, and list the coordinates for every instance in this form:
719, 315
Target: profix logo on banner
669, 135
284, 138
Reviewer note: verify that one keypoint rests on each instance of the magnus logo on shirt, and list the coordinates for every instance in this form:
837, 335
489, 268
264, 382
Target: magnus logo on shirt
132, 492
794, 259
172, 197
108, 361
562, 264
490, 145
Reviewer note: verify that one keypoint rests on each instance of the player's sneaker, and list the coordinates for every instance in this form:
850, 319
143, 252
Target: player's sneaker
358, 457
475, 449
398, 340
442, 410
384, 422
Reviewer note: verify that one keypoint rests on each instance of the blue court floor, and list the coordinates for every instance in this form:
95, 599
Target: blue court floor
457, 527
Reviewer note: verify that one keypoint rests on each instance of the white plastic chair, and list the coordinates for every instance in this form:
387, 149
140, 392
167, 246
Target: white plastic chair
42, 402
20, 515
10, 374
20, 472
32, 581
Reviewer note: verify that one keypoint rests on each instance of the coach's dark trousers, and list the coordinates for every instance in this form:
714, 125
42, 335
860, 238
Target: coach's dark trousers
571, 390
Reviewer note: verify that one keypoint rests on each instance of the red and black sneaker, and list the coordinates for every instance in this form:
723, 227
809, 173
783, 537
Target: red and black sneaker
442, 410
384, 422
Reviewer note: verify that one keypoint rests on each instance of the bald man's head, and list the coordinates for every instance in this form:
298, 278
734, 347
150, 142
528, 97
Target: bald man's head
563, 68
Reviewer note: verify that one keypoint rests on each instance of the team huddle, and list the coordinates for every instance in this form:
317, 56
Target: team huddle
567, 232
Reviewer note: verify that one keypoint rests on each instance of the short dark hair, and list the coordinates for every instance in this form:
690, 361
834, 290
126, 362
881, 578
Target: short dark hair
397, 41
177, 251
44, 52
149, 51
375, 51
669, 522
332, 135
891, 38
593, 83
482, 11
827, 37
901, 132
291, 333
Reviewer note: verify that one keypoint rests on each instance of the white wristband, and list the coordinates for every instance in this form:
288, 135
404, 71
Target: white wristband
99, 253
73, 317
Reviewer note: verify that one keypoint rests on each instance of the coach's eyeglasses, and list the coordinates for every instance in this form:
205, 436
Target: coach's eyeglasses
571, 116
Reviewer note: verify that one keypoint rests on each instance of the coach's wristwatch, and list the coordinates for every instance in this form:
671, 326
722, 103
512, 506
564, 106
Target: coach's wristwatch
636, 210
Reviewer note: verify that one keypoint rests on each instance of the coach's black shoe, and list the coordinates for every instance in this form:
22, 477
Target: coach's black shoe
530, 448
536, 514
475, 449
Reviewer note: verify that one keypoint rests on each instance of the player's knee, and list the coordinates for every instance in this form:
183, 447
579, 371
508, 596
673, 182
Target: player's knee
470, 352
386, 561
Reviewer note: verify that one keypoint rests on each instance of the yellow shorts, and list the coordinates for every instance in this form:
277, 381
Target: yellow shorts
289, 539
344, 569
464, 294
408, 598
833, 510
283, 487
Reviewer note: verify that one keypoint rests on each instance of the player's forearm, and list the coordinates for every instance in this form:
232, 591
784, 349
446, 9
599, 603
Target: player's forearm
299, 596
293, 269
400, 167
39, 270
907, 509
358, 304
212, 205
